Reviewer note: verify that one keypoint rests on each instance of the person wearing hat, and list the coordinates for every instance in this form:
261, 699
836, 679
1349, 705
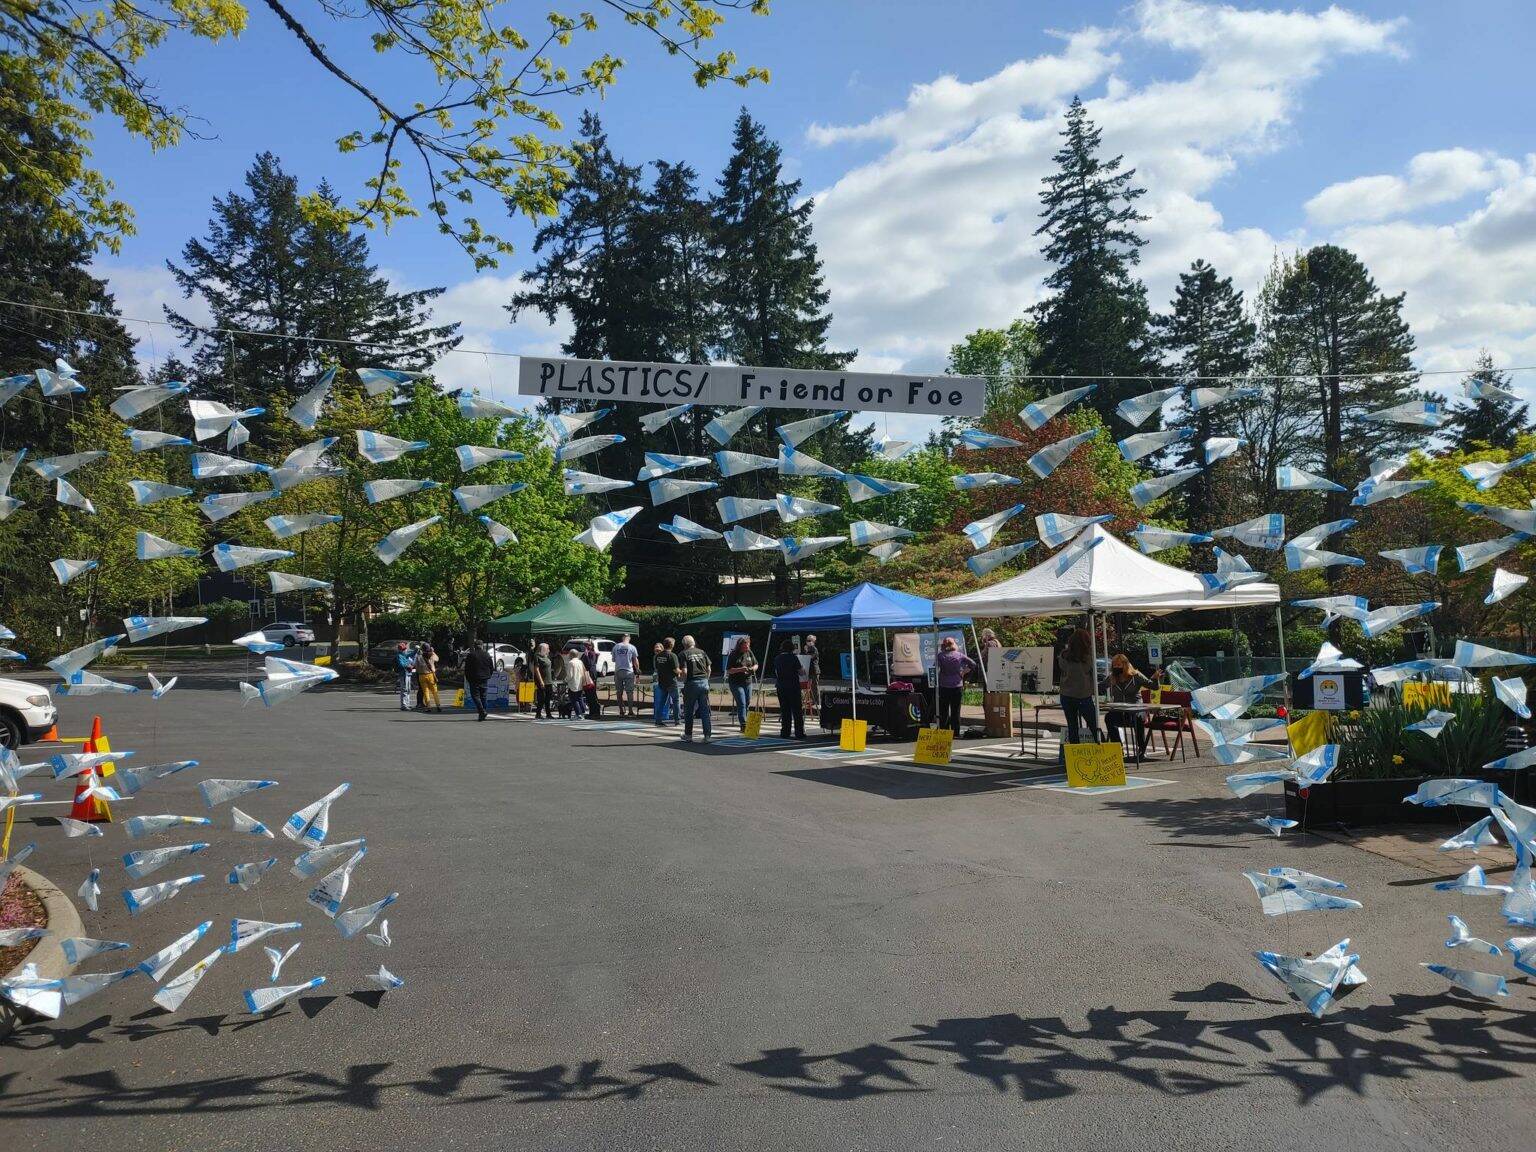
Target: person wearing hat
405, 664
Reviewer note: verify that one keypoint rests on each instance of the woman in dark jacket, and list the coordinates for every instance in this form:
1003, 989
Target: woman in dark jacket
1078, 688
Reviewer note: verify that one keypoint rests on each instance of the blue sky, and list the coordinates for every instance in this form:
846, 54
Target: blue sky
1399, 129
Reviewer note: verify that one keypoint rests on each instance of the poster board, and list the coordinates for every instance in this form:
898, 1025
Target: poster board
498, 689
933, 746
728, 642
1095, 765
907, 655
1020, 670
930, 641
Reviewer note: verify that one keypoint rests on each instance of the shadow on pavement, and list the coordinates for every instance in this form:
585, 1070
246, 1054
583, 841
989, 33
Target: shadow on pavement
1170, 1051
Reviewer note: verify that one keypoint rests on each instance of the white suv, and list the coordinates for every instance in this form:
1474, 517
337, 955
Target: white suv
288, 634
26, 712
604, 651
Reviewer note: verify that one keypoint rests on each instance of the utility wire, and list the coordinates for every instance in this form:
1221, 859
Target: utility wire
1178, 378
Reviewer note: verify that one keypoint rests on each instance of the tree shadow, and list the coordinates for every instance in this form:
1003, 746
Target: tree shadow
1190, 817
1230, 1041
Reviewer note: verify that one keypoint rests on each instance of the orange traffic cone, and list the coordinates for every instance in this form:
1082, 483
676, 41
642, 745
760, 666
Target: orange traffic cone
49, 737
93, 809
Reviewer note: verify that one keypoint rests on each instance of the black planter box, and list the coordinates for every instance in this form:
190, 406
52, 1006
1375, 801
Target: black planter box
1356, 803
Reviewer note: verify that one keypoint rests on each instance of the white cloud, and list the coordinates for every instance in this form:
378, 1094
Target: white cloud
936, 236
486, 359
1432, 178
143, 292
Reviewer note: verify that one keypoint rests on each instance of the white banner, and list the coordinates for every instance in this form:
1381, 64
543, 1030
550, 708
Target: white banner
724, 386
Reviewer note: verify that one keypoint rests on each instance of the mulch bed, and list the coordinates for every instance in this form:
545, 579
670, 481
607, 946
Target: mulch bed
19, 908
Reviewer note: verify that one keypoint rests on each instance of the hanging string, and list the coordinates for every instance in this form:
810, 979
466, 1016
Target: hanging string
1181, 378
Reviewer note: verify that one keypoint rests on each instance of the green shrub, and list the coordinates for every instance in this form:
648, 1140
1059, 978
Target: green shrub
1375, 743
1201, 642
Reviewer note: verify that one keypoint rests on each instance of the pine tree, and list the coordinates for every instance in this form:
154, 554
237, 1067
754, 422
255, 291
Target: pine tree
1206, 335
1095, 320
263, 267
42, 265
631, 268
1338, 328
1491, 423
772, 297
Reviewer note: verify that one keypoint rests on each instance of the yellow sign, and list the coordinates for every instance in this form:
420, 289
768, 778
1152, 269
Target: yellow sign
754, 726
525, 692
1310, 732
458, 698
1095, 765
107, 769
853, 736
1426, 696
933, 746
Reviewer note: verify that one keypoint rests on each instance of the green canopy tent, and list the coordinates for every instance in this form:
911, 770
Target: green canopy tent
735, 614
561, 613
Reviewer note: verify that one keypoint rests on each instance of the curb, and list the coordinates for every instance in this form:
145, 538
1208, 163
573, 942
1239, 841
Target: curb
48, 954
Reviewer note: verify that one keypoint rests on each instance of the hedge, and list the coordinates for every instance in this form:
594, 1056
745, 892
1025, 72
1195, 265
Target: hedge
1202, 642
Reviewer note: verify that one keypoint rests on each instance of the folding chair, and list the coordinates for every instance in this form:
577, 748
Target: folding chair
1178, 724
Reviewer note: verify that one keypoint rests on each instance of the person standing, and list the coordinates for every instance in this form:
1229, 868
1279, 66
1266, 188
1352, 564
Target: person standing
813, 672
589, 685
626, 672
667, 710
786, 685
1078, 685
954, 665
543, 683
575, 683
658, 709
405, 664
478, 669
426, 679
696, 670
740, 667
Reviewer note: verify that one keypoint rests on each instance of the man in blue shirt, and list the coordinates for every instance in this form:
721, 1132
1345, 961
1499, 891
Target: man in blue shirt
405, 664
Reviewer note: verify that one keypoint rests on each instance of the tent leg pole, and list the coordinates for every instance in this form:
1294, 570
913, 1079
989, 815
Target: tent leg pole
1280, 635
1093, 649
853, 678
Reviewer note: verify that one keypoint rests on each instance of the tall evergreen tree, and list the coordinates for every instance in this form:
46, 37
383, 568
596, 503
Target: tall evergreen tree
263, 267
773, 301
1206, 334
1341, 330
43, 264
1095, 320
1278, 426
1494, 422
631, 270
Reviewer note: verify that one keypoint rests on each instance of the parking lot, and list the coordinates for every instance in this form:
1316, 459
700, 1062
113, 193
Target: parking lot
610, 939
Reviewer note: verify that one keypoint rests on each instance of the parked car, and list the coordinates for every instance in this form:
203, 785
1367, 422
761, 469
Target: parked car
604, 651
506, 655
289, 634
382, 656
26, 712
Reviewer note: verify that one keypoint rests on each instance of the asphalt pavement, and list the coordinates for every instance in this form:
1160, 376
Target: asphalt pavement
614, 941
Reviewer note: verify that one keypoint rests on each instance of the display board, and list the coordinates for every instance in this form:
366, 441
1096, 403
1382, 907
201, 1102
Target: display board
1020, 670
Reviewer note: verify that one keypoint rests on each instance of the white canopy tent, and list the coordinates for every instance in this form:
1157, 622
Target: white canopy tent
1112, 577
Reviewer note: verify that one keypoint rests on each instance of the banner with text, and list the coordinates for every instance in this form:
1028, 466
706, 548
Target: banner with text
724, 386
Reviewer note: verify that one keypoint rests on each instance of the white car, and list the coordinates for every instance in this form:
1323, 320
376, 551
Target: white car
26, 712
505, 655
604, 651
288, 633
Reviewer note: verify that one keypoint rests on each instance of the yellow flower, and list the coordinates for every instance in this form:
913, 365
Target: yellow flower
1397, 759
1355, 715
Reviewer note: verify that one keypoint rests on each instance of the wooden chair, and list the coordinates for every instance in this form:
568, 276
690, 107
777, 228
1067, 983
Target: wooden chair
1178, 724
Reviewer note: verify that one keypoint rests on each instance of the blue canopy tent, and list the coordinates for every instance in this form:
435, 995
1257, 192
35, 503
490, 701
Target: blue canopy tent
863, 606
